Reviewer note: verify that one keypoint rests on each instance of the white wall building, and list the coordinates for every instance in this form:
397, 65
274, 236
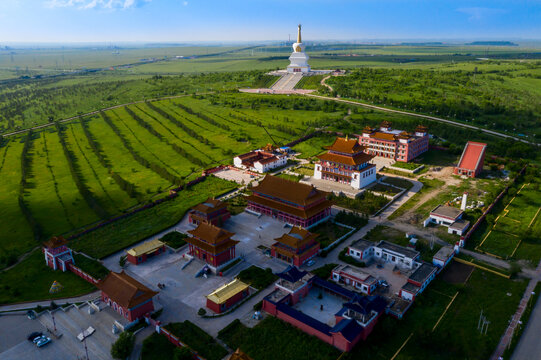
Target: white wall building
298, 59
364, 250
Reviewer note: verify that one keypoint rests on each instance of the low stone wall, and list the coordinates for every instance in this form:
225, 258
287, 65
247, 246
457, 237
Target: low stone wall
77, 271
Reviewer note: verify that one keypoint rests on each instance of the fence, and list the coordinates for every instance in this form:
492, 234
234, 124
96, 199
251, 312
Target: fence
491, 206
77, 271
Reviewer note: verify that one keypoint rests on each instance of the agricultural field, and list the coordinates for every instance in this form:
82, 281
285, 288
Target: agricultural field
514, 231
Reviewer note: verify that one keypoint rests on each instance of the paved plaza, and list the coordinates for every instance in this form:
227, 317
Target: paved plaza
332, 186
239, 176
311, 305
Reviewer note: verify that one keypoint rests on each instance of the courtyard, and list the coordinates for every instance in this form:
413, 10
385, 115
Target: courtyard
237, 175
320, 305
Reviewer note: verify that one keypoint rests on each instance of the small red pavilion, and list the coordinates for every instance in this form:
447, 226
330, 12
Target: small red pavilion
127, 296
296, 247
57, 254
211, 244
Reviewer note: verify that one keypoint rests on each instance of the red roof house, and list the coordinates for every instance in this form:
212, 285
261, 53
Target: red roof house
126, 295
472, 159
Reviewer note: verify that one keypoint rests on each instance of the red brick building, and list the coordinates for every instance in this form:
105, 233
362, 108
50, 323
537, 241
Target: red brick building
127, 296
211, 244
472, 160
57, 254
296, 247
395, 144
289, 201
211, 211
226, 296
141, 253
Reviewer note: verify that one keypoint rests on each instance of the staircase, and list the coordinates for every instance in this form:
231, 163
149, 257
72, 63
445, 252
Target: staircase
287, 82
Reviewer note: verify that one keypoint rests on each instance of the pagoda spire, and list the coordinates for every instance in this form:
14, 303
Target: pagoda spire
299, 40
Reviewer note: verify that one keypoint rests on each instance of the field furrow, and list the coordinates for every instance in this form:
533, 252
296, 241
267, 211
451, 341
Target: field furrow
97, 177
122, 162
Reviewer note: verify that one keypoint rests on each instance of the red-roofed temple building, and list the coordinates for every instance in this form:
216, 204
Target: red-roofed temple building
211, 211
211, 244
57, 254
297, 247
346, 163
127, 296
472, 160
394, 144
289, 201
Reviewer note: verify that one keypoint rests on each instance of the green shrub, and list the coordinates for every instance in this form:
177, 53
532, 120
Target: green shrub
123, 346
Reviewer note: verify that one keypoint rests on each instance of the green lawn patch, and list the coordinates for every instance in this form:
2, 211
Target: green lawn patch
157, 347
236, 204
257, 277
197, 339
367, 203
398, 182
31, 280
351, 219
385, 189
90, 266
324, 271
261, 341
328, 232
290, 177
428, 185
406, 165
175, 239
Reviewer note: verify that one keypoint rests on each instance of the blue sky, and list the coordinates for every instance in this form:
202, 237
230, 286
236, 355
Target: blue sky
253, 20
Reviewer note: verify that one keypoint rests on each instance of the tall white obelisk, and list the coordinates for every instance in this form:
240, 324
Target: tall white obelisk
298, 59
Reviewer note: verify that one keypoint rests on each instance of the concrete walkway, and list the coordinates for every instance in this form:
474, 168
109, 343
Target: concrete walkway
33, 304
529, 343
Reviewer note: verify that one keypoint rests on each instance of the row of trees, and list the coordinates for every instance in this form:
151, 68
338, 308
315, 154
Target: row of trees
124, 184
203, 117
182, 152
173, 179
75, 172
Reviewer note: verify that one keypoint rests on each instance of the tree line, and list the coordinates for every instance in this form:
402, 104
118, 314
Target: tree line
73, 167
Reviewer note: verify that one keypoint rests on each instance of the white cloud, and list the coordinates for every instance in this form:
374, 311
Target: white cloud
185, 3
95, 4
480, 13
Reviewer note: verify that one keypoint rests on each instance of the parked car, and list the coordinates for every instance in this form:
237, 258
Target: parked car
43, 341
310, 262
35, 341
34, 335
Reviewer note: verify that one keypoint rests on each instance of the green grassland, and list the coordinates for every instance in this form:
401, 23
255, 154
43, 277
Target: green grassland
488, 94
516, 228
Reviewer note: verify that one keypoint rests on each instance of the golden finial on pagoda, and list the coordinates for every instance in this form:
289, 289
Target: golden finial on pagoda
299, 40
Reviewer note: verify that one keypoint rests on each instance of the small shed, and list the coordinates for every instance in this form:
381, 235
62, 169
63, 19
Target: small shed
227, 296
143, 252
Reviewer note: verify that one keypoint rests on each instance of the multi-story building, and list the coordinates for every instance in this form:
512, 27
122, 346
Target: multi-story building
289, 201
297, 247
57, 254
346, 163
394, 144
211, 244
211, 211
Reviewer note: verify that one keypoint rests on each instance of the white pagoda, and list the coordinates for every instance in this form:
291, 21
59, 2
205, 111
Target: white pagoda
298, 59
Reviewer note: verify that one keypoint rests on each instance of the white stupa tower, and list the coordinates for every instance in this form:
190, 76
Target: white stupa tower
298, 59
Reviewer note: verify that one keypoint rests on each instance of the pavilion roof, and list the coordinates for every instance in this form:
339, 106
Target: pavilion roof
146, 247
210, 205
211, 234
297, 237
55, 241
358, 159
125, 290
345, 145
227, 291
298, 193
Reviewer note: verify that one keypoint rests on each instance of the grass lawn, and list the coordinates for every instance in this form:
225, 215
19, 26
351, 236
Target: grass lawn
367, 203
31, 280
198, 340
174, 239
272, 339
257, 277
125, 232
401, 183
438, 158
236, 204
407, 166
91, 267
385, 189
328, 232
428, 185
324, 271
314, 146
157, 347
290, 177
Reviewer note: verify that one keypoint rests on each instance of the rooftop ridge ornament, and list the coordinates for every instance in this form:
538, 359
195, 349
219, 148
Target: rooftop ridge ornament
299, 40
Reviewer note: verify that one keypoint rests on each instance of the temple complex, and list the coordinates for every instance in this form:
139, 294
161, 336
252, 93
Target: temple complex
211, 244
289, 201
297, 247
398, 145
346, 163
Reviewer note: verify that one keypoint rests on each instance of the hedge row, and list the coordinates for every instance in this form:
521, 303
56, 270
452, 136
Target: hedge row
92, 202
141, 160
125, 185
280, 127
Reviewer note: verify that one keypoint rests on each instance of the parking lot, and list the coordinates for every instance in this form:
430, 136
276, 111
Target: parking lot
15, 346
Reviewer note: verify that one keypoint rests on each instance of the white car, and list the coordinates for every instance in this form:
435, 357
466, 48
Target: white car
310, 262
44, 340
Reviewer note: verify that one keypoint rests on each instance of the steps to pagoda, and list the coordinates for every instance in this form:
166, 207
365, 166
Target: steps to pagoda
287, 82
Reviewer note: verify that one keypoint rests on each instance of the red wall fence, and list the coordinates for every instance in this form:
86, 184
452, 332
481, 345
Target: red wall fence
77, 271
